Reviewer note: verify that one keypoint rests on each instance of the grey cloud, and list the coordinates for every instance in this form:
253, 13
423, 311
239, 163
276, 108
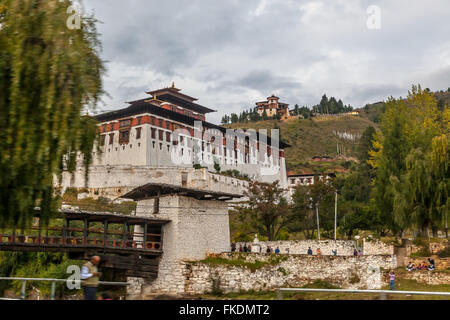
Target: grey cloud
228, 56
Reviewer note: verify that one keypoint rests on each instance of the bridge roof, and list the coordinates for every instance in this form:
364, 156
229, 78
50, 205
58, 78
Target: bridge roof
152, 190
76, 214
110, 217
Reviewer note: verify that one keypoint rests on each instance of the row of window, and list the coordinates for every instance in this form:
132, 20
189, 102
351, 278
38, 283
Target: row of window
124, 136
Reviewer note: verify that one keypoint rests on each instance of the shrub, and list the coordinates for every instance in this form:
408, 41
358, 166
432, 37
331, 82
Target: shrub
354, 278
444, 253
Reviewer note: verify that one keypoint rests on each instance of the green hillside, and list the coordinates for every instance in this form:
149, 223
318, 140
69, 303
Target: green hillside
326, 136
316, 137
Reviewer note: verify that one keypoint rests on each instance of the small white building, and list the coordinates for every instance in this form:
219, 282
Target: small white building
305, 179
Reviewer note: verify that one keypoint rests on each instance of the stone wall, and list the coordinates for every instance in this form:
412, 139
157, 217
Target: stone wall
435, 247
285, 271
428, 277
114, 181
196, 228
344, 248
377, 247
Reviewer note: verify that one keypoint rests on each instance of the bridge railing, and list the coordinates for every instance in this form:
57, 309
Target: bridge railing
67, 237
53, 283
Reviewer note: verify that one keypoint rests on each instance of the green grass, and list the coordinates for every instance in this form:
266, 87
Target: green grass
98, 205
236, 263
401, 284
238, 260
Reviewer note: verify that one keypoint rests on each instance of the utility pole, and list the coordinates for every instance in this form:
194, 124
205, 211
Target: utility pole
318, 226
446, 225
335, 215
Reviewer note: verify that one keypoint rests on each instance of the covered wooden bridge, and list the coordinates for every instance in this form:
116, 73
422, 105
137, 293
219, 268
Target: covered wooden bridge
131, 243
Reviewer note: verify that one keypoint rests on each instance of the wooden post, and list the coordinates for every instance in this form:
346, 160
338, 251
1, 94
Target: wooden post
161, 238
14, 235
39, 231
85, 233
66, 224
144, 246
105, 232
124, 236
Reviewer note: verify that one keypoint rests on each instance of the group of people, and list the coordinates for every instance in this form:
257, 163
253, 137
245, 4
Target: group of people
269, 250
244, 248
431, 266
319, 252
248, 248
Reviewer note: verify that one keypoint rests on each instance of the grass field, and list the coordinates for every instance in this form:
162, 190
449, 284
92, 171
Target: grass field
401, 285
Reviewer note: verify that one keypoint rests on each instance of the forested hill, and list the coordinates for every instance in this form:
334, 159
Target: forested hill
332, 137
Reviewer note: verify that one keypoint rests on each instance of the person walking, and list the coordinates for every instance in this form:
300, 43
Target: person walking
310, 252
90, 277
392, 279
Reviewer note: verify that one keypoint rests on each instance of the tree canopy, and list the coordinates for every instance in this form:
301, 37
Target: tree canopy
49, 77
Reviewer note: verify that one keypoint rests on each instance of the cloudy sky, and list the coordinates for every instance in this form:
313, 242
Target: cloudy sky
232, 53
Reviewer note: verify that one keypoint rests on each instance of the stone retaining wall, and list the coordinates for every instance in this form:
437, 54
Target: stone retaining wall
428, 277
285, 271
344, 247
377, 247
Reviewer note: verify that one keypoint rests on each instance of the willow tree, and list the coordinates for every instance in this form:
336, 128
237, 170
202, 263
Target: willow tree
49, 77
407, 182
421, 195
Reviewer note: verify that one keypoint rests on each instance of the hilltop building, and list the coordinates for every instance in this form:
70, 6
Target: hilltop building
272, 106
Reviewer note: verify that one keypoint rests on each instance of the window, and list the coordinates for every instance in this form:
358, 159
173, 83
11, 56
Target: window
124, 136
184, 179
138, 133
161, 135
125, 123
104, 128
168, 136
153, 133
111, 138
160, 123
102, 140
139, 121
